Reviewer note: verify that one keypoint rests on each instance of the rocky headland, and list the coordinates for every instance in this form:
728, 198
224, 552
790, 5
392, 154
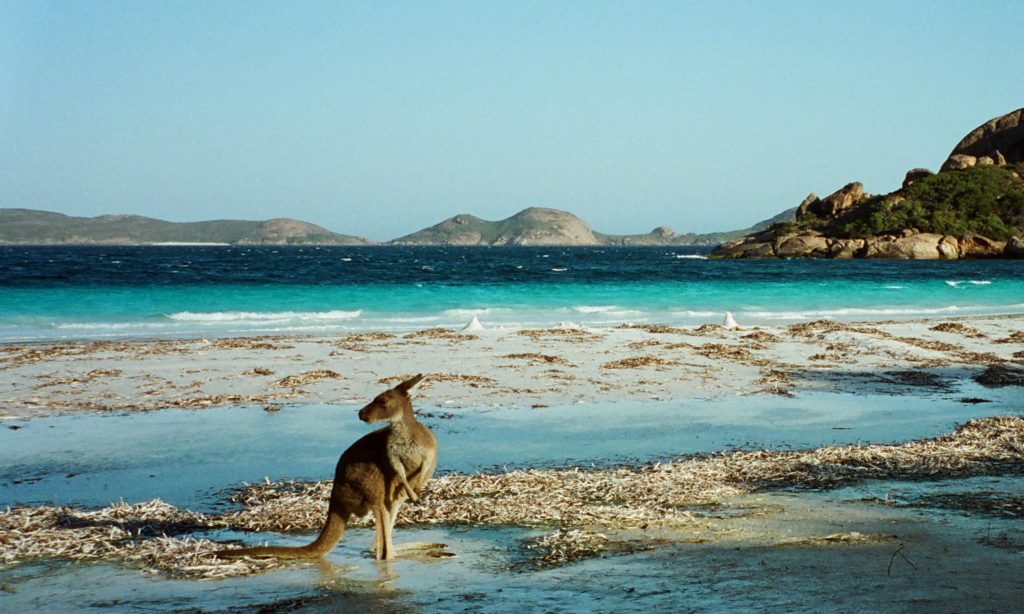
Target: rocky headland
972, 208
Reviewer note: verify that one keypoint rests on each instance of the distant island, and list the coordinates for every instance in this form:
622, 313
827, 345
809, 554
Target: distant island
972, 208
28, 226
533, 226
538, 226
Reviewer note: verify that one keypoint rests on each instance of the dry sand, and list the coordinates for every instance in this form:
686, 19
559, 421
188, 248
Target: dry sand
512, 368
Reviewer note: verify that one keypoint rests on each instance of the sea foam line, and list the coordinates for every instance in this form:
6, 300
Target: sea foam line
262, 316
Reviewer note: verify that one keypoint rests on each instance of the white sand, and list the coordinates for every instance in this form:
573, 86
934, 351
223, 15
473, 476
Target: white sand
504, 367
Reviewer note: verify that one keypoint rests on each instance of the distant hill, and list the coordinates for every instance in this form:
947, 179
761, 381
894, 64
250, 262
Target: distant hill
533, 226
537, 226
44, 227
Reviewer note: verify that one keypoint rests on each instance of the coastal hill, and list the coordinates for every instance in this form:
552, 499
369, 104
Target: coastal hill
972, 208
27, 226
537, 226
534, 226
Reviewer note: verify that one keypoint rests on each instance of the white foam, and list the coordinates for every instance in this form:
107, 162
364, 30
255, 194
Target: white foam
695, 314
595, 308
607, 310
955, 283
851, 311
108, 325
262, 316
691, 257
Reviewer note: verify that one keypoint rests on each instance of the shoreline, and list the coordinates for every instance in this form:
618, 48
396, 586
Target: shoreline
514, 368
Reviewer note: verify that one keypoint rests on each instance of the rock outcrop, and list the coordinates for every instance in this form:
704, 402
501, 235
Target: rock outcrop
852, 224
915, 174
998, 141
909, 245
833, 204
1014, 248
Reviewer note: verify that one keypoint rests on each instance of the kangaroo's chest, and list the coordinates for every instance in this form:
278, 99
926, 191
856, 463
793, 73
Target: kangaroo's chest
403, 446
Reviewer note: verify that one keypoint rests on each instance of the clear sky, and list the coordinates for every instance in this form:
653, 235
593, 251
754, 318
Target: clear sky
380, 118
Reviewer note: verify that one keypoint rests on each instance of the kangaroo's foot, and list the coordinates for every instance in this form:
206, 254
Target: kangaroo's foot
423, 551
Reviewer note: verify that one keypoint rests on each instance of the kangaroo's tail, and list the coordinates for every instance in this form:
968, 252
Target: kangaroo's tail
329, 536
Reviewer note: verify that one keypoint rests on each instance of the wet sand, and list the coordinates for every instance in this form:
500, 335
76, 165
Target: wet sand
511, 368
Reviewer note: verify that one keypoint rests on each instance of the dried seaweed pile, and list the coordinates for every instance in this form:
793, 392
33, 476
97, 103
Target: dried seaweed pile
360, 342
440, 333
133, 533
209, 401
1016, 336
474, 381
660, 493
977, 447
307, 377
721, 350
249, 344
639, 361
708, 330
656, 329
535, 358
83, 379
568, 334
960, 329
760, 336
280, 506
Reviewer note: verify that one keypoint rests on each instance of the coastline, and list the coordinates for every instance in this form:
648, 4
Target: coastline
512, 368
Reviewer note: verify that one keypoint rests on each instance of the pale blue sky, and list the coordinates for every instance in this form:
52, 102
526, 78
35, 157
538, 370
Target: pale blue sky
378, 119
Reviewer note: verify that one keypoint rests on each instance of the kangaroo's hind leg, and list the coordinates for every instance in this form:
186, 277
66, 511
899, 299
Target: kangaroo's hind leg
396, 507
383, 548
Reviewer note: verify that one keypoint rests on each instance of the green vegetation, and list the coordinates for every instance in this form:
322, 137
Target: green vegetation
30, 226
983, 200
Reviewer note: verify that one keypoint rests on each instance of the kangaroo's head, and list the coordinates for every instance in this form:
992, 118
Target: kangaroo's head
392, 403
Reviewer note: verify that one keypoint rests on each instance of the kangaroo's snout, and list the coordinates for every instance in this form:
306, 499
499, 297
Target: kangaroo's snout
371, 412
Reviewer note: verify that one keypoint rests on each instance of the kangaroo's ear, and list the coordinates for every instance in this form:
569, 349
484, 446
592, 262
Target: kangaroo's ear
410, 384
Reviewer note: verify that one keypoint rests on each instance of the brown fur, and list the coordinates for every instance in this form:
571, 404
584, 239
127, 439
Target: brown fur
375, 474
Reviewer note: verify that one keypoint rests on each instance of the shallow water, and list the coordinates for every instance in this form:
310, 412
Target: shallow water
185, 457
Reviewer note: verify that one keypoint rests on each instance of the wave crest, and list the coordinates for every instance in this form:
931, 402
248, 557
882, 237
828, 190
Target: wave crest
262, 316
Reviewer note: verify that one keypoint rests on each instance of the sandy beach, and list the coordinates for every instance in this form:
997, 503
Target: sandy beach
847, 505
512, 368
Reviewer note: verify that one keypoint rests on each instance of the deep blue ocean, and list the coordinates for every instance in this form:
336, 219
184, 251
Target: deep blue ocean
59, 292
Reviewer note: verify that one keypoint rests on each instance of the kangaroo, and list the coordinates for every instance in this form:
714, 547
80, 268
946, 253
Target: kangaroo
375, 474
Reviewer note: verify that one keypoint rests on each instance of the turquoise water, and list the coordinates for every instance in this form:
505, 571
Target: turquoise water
55, 293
